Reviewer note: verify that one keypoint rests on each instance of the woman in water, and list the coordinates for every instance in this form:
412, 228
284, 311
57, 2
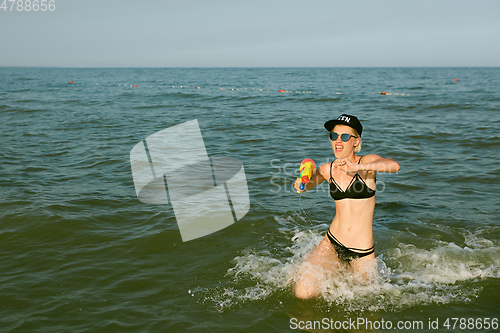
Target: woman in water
349, 240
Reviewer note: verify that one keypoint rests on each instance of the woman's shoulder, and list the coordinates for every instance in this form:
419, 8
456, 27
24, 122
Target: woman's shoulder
325, 166
324, 169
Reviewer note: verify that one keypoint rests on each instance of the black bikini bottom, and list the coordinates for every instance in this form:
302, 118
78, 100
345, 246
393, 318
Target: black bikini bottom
347, 254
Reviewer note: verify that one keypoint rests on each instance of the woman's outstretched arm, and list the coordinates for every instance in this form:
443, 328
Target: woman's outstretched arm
370, 162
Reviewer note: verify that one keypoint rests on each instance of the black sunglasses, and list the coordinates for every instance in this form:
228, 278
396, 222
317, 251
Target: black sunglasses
344, 137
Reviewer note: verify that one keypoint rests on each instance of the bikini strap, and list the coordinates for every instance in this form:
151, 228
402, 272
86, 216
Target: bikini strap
331, 236
357, 173
331, 164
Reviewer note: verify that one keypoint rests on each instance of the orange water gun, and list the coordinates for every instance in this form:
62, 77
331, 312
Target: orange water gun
307, 168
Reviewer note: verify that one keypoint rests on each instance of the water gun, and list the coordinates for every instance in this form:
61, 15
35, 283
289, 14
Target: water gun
307, 168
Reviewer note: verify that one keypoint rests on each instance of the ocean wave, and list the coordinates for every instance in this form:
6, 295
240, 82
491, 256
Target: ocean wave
20, 90
150, 107
322, 99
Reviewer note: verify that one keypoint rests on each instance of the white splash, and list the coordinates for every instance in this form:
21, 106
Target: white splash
409, 276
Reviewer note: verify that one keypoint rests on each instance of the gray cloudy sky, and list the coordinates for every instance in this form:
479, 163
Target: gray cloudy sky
196, 33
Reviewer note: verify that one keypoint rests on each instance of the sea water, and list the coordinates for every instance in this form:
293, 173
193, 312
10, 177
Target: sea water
79, 252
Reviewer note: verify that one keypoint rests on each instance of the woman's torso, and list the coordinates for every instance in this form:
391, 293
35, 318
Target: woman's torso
352, 224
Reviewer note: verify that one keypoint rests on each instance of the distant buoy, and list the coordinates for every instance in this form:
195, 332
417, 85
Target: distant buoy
71, 82
135, 85
281, 90
383, 93
456, 80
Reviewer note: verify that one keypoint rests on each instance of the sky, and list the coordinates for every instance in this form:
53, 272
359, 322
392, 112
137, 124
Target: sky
252, 33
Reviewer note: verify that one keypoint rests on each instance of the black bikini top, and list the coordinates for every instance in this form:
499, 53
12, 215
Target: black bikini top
357, 188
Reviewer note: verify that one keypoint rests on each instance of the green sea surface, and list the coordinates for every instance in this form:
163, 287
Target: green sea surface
80, 253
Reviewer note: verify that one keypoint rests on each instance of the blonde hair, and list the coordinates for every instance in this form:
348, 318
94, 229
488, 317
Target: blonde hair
357, 149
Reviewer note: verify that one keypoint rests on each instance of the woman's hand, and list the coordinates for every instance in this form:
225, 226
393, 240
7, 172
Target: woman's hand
316, 179
345, 164
296, 185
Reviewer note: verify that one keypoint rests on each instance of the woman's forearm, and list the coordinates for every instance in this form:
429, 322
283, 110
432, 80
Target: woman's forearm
316, 179
381, 165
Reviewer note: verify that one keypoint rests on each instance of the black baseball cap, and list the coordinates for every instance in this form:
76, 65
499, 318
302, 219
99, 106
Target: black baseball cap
345, 119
